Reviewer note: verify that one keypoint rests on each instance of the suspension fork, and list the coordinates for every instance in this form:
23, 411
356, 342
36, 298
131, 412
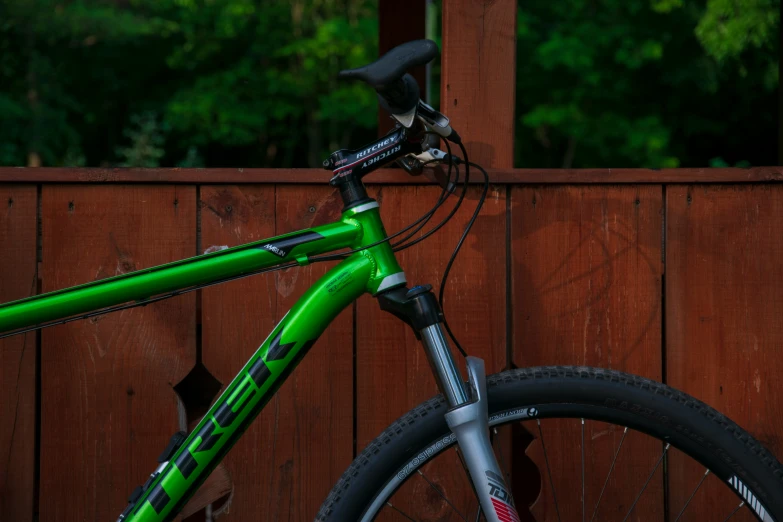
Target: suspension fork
467, 416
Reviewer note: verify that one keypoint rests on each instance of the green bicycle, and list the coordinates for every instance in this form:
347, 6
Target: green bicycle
468, 415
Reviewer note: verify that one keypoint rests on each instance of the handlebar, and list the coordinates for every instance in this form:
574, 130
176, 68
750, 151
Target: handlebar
398, 94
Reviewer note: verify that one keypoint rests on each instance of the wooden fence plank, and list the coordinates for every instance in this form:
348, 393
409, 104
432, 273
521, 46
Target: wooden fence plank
17, 354
586, 279
320, 392
724, 301
392, 371
478, 80
280, 467
387, 176
107, 404
235, 319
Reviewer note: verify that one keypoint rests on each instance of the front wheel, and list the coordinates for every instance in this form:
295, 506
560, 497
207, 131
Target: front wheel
603, 445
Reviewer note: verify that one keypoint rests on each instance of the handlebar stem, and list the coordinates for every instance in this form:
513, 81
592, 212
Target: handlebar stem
350, 166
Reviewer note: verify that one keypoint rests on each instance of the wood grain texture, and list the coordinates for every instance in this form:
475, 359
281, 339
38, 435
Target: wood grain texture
392, 370
400, 21
218, 486
386, 176
107, 404
235, 319
724, 301
288, 460
479, 77
18, 279
586, 288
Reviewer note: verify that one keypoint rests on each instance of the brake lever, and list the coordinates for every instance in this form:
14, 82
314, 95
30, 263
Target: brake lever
411, 164
437, 121
414, 165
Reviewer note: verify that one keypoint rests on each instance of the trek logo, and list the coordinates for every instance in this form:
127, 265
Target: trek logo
379, 157
497, 488
272, 248
375, 147
223, 425
234, 402
501, 498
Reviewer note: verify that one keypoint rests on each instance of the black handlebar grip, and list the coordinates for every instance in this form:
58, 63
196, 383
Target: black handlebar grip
390, 67
398, 92
401, 96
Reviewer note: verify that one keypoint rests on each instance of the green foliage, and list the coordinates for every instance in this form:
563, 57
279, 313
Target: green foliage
628, 83
192, 159
729, 27
266, 77
245, 83
248, 83
720, 162
146, 142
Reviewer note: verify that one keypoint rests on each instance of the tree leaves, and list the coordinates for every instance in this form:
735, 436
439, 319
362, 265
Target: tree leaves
244, 83
628, 83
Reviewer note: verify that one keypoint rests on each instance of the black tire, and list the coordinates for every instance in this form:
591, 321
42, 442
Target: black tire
567, 392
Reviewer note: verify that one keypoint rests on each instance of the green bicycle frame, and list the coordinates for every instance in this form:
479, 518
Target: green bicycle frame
190, 462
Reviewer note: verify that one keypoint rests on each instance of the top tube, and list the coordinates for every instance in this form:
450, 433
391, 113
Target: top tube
359, 227
144, 284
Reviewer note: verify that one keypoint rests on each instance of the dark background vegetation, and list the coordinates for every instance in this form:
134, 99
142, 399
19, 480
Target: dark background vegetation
251, 83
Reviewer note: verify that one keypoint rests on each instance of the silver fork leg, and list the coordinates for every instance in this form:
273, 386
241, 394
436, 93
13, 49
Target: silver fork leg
469, 421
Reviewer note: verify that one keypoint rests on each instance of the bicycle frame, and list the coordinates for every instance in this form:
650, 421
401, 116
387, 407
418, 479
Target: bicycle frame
369, 267
187, 464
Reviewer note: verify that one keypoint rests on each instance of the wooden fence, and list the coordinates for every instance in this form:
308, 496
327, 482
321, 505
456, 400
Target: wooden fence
676, 275
678, 282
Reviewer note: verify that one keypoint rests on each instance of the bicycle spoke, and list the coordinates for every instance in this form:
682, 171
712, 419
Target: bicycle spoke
703, 477
441, 495
401, 512
548, 471
583, 470
735, 511
663, 454
611, 468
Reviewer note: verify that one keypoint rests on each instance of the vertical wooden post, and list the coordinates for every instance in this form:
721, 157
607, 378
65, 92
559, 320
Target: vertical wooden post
399, 21
479, 76
17, 356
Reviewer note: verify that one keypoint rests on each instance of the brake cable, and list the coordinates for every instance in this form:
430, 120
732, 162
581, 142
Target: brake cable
453, 257
423, 220
437, 227
401, 245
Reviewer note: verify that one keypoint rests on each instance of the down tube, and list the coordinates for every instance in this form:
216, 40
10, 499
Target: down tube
251, 389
